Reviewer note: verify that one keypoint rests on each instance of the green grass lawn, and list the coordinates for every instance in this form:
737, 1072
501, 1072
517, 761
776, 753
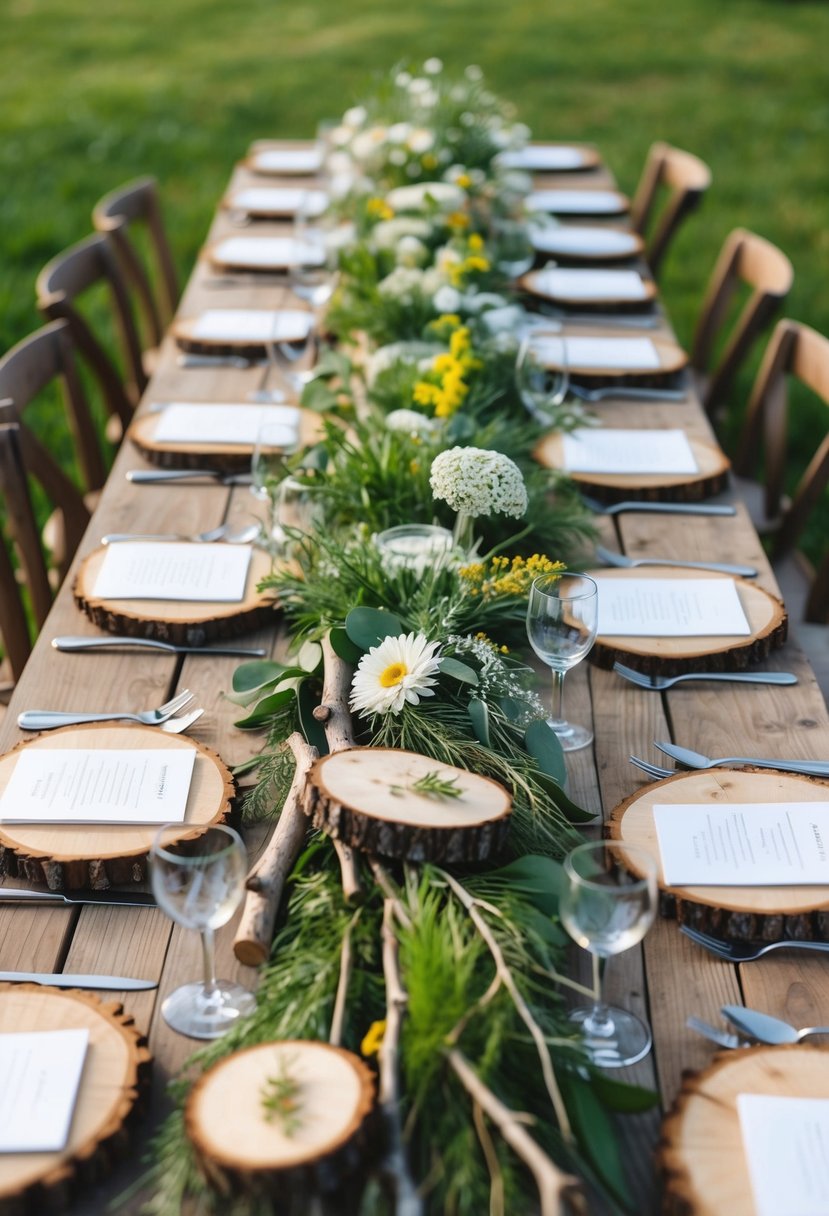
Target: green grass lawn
90, 96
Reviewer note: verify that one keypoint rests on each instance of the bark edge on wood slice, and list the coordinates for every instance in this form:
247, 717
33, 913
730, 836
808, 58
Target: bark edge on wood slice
334, 1114
65, 857
711, 476
113, 1086
700, 1154
183, 623
349, 796
167, 454
765, 613
738, 913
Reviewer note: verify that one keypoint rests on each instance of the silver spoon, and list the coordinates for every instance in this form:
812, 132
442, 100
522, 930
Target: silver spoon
765, 1028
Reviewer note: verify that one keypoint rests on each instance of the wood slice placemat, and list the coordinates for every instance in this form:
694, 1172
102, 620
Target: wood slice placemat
184, 623
333, 1099
700, 1153
672, 358
114, 1080
232, 457
741, 913
710, 478
294, 326
65, 857
365, 797
766, 617
534, 284
583, 243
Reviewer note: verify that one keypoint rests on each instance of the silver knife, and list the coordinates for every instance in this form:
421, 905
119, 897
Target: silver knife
65, 979
71, 644
159, 476
108, 899
220, 361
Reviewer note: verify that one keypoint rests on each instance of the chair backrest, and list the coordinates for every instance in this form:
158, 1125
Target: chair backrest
25, 371
137, 205
61, 282
798, 352
755, 263
683, 179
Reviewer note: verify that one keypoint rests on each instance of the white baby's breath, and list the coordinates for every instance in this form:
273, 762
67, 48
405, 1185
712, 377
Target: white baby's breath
411, 422
476, 481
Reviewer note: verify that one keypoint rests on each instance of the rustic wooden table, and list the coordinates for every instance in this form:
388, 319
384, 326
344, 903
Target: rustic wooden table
664, 980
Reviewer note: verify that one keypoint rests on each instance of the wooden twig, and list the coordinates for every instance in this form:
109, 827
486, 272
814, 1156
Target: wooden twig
395, 1164
386, 885
471, 905
335, 715
266, 880
335, 1037
496, 1174
554, 1186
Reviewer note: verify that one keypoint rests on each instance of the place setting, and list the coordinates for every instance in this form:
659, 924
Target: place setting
273, 202
625, 291
284, 161
580, 243
578, 202
550, 158
596, 364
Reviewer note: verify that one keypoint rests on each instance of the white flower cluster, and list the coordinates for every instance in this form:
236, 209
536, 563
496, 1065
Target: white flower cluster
421, 354
410, 422
478, 482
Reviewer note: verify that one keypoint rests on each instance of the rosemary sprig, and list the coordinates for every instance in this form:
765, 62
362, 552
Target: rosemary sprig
431, 784
280, 1098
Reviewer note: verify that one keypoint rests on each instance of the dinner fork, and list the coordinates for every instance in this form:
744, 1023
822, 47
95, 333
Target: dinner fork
745, 952
181, 722
658, 508
721, 1037
42, 719
627, 392
652, 770
632, 563
660, 683
696, 760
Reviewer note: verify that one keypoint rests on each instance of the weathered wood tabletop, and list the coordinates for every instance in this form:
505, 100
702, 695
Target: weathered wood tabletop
664, 980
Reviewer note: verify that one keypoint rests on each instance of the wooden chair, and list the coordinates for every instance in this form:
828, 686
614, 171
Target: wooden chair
76, 271
753, 262
795, 352
672, 185
27, 369
121, 214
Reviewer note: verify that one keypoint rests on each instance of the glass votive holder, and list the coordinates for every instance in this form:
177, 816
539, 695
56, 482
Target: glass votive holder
416, 547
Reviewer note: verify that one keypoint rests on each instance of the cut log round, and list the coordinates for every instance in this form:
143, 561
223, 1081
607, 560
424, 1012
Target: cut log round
765, 614
180, 622
741, 913
66, 857
364, 796
114, 1080
711, 476
332, 1095
232, 457
670, 357
700, 1153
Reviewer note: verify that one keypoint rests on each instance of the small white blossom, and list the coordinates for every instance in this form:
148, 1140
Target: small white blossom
355, 117
411, 252
420, 140
426, 194
400, 352
387, 233
447, 299
473, 72
410, 422
477, 481
399, 670
403, 283
433, 66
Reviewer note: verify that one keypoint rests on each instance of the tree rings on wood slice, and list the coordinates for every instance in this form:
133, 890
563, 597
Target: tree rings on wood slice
710, 478
184, 623
191, 454
765, 614
66, 856
700, 1154
365, 796
740, 913
114, 1080
315, 1138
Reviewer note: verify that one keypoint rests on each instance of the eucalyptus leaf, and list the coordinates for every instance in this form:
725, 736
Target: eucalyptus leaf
621, 1095
513, 710
541, 878
574, 812
307, 700
309, 657
479, 717
367, 627
596, 1135
343, 647
265, 709
459, 671
250, 676
542, 743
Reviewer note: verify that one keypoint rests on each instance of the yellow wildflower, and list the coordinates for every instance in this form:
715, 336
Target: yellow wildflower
425, 393
414, 467
458, 220
476, 262
373, 1039
429, 160
379, 209
475, 242
463, 180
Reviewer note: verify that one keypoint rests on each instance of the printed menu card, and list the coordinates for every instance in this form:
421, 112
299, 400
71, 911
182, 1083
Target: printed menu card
252, 325
610, 450
99, 785
591, 284
670, 608
150, 570
786, 1142
744, 844
40, 1074
225, 423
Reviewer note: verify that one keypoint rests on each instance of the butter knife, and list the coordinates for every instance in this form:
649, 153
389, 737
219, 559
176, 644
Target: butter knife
108, 899
71, 644
159, 476
65, 979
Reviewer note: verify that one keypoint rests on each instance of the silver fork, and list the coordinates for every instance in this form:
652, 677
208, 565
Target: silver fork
632, 563
627, 392
41, 719
745, 952
196, 538
657, 508
721, 1037
652, 770
182, 722
660, 683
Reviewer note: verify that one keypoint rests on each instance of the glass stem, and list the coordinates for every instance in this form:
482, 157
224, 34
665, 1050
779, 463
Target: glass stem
208, 946
558, 721
599, 1022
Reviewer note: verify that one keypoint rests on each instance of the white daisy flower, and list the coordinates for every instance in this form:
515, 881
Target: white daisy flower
399, 670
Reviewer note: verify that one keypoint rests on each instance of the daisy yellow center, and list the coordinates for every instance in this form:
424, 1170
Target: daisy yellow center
393, 674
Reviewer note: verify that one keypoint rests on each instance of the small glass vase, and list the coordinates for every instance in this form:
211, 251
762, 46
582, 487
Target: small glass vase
417, 547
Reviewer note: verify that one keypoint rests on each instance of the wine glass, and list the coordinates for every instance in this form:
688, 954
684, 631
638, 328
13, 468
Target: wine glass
562, 614
198, 880
313, 272
298, 508
267, 468
607, 906
513, 249
541, 375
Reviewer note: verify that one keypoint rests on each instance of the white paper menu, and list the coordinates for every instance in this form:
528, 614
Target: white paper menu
583, 240
40, 1075
670, 608
197, 423
591, 284
610, 450
280, 199
744, 844
541, 157
252, 325
266, 252
786, 1142
584, 202
288, 160
99, 785
629, 353
150, 570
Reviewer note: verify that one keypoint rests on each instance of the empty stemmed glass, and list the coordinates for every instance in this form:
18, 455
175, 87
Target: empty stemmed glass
541, 375
562, 615
198, 880
268, 471
313, 272
607, 906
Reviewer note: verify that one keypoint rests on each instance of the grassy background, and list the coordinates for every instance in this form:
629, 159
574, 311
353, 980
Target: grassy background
93, 95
